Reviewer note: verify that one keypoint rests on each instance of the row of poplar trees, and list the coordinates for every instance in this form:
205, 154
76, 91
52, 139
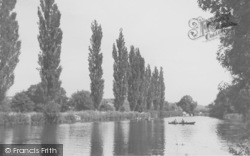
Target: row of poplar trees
132, 80
143, 88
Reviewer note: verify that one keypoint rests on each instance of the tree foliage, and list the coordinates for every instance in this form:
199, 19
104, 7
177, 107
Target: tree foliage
234, 54
81, 100
35, 93
120, 66
136, 77
21, 103
187, 104
148, 88
162, 89
156, 89
50, 39
95, 65
51, 112
9, 45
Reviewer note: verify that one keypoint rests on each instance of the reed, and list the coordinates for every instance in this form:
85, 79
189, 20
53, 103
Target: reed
36, 118
14, 118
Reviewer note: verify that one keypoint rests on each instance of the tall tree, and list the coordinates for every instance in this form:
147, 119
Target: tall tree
187, 104
132, 85
50, 40
136, 83
141, 81
120, 66
162, 88
149, 87
155, 88
9, 45
234, 54
95, 65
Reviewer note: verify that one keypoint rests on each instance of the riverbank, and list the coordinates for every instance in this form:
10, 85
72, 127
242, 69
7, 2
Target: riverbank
36, 118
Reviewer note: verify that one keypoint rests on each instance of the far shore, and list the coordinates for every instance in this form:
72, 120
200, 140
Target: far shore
37, 118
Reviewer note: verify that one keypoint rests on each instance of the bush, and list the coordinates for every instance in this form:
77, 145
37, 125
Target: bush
62, 100
39, 107
81, 100
13, 118
35, 93
106, 106
37, 118
52, 112
5, 105
21, 103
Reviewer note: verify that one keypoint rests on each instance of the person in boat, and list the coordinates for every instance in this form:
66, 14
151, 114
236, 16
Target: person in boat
182, 121
175, 121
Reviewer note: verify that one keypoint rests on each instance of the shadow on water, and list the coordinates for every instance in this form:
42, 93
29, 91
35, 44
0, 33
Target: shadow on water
128, 138
49, 137
96, 140
121, 146
2, 140
236, 136
145, 138
20, 134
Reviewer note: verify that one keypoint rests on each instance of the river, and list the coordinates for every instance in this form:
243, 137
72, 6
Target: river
208, 136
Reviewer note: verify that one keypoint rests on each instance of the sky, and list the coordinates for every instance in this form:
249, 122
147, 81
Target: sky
158, 28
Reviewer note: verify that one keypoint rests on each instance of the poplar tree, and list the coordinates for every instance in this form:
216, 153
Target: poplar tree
95, 65
136, 84
162, 89
9, 45
132, 84
155, 88
149, 88
50, 39
141, 82
120, 67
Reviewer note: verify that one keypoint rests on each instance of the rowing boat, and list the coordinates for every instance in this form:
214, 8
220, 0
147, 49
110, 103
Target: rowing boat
181, 123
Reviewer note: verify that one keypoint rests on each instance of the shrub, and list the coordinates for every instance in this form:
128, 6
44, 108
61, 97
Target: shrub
81, 100
37, 118
106, 106
5, 105
52, 112
68, 117
35, 93
62, 100
39, 107
21, 103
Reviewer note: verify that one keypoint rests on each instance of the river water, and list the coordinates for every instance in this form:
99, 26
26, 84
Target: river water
208, 136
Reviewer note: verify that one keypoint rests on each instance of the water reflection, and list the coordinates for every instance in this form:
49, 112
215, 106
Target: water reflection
20, 134
49, 136
96, 140
76, 138
146, 138
236, 136
108, 138
121, 138
207, 137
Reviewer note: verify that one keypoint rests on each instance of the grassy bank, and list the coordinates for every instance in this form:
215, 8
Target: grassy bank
83, 116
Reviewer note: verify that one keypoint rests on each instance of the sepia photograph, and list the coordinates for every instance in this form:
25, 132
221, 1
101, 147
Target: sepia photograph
124, 77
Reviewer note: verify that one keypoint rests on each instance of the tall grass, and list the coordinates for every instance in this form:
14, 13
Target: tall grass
14, 118
36, 118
